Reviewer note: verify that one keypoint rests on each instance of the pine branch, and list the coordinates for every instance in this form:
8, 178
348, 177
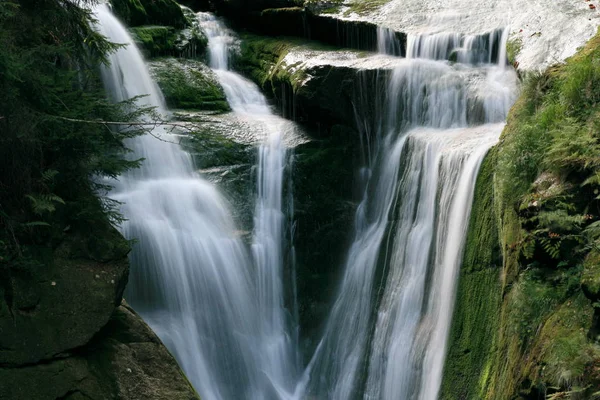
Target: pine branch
147, 126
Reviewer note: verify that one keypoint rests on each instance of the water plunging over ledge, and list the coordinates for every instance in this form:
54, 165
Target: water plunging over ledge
218, 309
219, 305
432, 130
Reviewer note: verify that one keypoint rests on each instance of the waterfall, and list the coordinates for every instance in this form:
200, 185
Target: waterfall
280, 358
437, 122
218, 309
220, 306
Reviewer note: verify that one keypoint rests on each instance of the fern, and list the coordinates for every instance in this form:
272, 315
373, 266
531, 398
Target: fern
48, 176
44, 203
559, 220
551, 246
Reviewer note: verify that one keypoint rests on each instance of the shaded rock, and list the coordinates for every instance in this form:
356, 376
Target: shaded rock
301, 22
189, 84
61, 304
125, 360
146, 12
324, 208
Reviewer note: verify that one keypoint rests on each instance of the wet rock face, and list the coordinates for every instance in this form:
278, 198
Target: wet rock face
59, 306
125, 360
324, 207
147, 12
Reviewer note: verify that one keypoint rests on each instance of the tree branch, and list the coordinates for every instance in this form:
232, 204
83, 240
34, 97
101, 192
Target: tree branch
148, 126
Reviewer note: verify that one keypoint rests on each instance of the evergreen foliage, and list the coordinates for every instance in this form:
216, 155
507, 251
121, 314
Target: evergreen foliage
53, 147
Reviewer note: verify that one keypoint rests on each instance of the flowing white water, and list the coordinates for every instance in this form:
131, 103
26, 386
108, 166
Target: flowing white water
411, 223
221, 308
280, 359
192, 278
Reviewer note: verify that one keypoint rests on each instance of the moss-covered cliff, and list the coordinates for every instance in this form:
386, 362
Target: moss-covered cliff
526, 317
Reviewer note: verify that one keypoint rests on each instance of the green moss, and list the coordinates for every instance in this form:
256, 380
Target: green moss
188, 84
513, 48
544, 199
364, 7
132, 12
590, 280
157, 41
261, 59
324, 6
479, 296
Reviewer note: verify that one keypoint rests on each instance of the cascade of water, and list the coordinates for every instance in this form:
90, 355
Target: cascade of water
279, 354
387, 42
466, 49
191, 276
410, 226
224, 317
409, 343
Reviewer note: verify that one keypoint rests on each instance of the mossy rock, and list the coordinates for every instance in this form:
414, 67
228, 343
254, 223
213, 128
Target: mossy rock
188, 84
542, 324
478, 299
156, 41
144, 12
61, 304
322, 94
590, 281
562, 354
125, 360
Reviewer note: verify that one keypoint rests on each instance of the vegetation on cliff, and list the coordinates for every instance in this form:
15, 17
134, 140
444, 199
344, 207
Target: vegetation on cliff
51, 145
542, 185
63, 266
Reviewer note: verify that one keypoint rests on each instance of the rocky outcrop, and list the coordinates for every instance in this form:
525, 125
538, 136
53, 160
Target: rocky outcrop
65, 335
322, 83
125, 361
188, 84
52, 308
324, 209
188, 41
303, 19
157, 41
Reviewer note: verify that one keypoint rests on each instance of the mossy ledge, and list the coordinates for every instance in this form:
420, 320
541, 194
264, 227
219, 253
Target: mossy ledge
188, 84
526, 321
320, 95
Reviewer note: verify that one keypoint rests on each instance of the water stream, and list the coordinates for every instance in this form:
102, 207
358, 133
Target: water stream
217, 305
222, 306
434, 127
